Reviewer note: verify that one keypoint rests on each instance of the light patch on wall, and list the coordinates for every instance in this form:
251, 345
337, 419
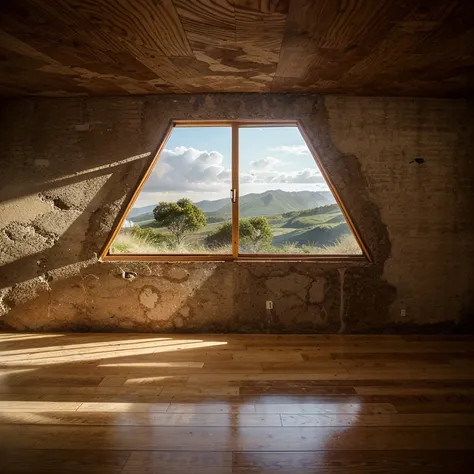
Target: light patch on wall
108, 166
149, 297
23, 209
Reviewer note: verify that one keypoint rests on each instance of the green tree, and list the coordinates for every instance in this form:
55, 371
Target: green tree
254, 232
180, 218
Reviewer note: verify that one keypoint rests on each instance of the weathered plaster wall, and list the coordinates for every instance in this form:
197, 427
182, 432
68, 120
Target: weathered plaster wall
70, 165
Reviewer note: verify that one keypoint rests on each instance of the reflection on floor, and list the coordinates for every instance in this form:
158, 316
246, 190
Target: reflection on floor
135, 403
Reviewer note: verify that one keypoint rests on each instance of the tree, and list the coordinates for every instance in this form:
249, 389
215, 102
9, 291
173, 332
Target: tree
254, 232
180, 218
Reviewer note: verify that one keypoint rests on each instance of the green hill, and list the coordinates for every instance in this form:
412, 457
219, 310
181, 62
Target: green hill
273, 202
294, 229
320, 235
268, 203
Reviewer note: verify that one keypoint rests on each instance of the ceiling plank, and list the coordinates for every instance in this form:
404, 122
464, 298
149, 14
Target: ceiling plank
148, 23
207, 20
362, 47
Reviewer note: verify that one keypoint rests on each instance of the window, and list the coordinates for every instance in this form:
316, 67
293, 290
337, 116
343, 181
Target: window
234, 190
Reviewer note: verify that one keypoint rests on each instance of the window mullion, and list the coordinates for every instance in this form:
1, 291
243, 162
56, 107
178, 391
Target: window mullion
235, 187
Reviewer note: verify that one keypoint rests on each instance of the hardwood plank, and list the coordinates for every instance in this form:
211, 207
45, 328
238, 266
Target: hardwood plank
62, 461
216, 390
37, 405
246, 408
179, 462
268, 356
158, 380
111, 391
431, 357
394, 419
420, 390
134, 407
326, 408
291, 387
113, 381
348, 462
139, 418
65, 380
244, 439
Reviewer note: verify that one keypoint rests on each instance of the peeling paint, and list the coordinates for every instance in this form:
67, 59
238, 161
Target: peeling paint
149, 297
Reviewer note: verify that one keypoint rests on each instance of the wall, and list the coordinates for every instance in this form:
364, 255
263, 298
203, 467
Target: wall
70, 165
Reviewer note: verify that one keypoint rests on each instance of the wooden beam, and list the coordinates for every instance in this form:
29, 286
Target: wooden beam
236, 191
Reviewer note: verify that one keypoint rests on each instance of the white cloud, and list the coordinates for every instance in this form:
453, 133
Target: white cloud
265, 163
305, 176
292, 149
188, 169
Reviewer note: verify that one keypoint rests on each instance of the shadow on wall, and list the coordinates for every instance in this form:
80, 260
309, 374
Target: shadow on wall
67, 234
69, 166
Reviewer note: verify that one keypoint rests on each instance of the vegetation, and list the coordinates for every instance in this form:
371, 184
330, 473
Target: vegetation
183, 228
179, 218
254, 233
148, 235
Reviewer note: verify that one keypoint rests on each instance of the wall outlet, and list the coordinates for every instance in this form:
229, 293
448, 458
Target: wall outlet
269, 304
403, 313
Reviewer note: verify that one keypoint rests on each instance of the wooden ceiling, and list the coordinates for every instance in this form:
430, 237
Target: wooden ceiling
116, 47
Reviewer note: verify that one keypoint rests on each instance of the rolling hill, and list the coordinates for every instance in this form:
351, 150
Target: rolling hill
274, 202
302, 231
268, 203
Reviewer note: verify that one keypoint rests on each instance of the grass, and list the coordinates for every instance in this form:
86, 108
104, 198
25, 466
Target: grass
127, 243
318, 231
346, 245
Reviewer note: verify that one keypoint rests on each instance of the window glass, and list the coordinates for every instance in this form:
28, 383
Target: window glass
185, 199
285, 205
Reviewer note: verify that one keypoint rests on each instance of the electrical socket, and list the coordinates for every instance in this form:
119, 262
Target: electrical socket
269, 304
403, 312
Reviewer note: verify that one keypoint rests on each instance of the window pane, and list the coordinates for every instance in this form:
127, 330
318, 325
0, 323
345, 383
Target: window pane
285, 204
184, 207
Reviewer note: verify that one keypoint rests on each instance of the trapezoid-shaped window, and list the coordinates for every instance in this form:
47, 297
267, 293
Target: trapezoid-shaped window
234, 190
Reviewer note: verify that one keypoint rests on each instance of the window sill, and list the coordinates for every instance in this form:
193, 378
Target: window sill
353, 260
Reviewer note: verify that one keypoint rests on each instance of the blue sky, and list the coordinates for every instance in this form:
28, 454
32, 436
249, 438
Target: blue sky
196, 164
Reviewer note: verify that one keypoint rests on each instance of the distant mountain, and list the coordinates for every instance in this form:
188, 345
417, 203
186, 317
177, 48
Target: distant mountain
136, 211
212, 206
268, 203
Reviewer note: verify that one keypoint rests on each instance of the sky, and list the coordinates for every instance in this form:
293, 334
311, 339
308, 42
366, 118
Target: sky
196, 163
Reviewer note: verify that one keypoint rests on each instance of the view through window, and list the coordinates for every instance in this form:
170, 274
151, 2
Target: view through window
278, 202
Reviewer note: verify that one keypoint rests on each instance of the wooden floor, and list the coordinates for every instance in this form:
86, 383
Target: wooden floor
115, 403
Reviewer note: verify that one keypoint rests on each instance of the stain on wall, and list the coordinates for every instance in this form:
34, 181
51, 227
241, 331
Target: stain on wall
69, 166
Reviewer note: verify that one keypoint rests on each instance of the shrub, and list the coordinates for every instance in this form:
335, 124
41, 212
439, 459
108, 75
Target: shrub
254, 233
148, 235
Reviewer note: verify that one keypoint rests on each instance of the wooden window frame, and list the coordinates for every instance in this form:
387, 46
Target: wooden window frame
235, 126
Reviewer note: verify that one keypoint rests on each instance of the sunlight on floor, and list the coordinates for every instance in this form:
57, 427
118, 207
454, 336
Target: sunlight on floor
49, 355
98, 344
26, 337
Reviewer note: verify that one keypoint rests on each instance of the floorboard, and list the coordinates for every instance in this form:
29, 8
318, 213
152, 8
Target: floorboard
224, 404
